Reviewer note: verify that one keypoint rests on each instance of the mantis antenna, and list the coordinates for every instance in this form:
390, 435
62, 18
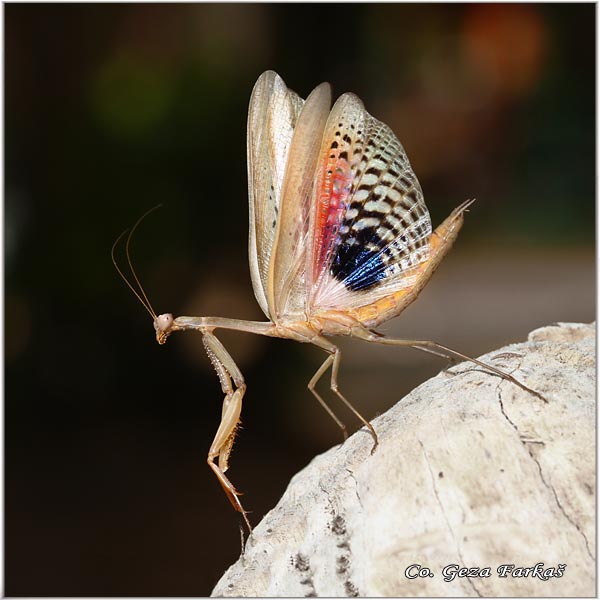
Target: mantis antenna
143, 298
340, 241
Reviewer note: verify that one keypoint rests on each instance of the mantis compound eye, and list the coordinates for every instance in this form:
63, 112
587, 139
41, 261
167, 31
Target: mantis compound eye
163, 322
162, 325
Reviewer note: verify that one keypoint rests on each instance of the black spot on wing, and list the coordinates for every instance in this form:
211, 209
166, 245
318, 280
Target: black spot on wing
357, 267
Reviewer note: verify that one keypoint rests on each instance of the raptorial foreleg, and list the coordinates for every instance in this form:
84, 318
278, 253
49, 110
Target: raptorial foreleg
234, 387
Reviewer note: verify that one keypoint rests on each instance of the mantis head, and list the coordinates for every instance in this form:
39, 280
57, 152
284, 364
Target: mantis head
163, 325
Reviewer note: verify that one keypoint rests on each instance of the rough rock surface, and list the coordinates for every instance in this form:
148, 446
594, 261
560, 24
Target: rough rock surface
470, 471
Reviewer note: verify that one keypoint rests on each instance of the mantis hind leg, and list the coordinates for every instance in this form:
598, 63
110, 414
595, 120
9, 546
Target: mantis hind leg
444, 352
234, 387
333, 361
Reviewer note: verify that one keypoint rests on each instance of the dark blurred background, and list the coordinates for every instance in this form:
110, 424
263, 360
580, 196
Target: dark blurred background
113, 108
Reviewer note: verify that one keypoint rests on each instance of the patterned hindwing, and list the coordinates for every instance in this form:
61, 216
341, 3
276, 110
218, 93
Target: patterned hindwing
272, 117
371, 225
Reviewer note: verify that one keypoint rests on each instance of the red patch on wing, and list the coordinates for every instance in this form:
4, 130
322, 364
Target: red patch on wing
334, 189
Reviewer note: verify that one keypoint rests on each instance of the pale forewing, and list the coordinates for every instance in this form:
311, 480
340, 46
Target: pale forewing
286, 290
272, 117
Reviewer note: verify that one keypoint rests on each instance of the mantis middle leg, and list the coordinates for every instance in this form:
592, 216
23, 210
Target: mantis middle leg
333, 361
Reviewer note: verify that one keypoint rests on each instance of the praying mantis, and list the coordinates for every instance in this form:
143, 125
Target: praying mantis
340, 241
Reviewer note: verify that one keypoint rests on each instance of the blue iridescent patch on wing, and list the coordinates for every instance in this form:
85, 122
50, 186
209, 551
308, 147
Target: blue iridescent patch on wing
357, 268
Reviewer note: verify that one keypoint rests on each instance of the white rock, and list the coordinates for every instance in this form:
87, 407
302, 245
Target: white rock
470, 471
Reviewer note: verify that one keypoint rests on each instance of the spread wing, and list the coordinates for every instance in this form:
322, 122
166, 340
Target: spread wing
272, 117
337, 216
370, 226
286, 290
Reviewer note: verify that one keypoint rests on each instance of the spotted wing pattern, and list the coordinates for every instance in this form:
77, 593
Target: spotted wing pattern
370, 225
272, 117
